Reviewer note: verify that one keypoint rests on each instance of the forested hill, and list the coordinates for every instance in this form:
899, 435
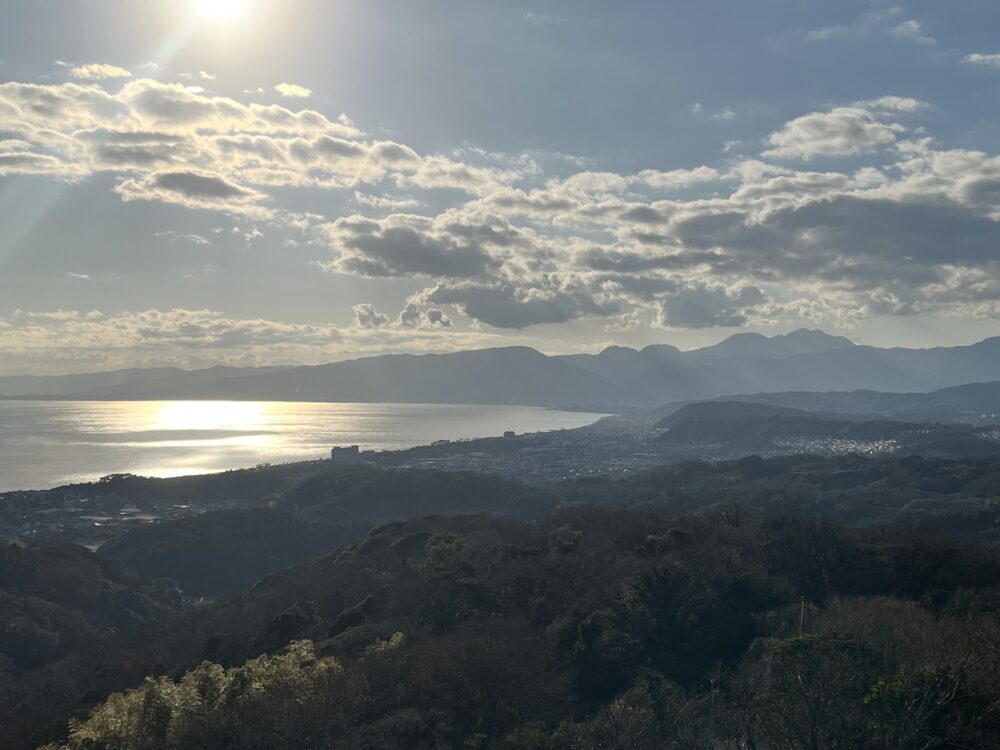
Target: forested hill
591, 628
659, 610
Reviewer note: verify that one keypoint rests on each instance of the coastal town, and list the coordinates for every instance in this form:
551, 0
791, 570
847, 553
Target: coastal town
92, 513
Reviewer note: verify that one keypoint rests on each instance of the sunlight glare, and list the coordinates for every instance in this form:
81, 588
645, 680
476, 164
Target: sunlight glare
223, 8
208, 415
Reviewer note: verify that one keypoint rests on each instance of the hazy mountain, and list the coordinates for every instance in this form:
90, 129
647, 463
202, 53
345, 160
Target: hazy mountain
102, 384
976, 402
746, 363
802, 341
725, 409
515, 375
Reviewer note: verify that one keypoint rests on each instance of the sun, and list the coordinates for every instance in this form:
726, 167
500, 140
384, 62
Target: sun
223, 8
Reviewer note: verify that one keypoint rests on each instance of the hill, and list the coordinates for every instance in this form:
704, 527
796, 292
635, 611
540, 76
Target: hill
591, 628
670, 591
971, 403
617, 377
66, 615
728, 410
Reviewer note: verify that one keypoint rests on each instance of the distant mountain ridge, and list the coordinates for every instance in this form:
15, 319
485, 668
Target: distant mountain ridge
974, 402
101, 384
803, 360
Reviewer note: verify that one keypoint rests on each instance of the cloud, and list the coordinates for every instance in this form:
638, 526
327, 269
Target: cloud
293, 90
441, 172
27, 162
194, 239
365, 316
841, 131
72, 131
386, 202
900, 226
676, 178
197, 329
703, 306
98, 71
75, 340
413, 317
404, 245
913, 232
513, 306
723, 114
889, 104
913, 30
194, 190
872, 22
987, 60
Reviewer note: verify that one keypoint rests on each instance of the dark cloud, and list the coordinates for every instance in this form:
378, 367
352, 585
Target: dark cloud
505, 306
405, 246
195, 190
831, 239
710, 307
412, 316
196, 185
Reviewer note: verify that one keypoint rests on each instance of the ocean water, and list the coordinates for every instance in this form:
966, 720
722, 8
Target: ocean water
45, 444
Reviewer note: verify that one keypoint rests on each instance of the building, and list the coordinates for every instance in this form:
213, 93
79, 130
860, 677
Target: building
350, 454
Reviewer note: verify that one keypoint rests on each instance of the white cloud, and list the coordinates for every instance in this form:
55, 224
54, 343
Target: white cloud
841, 131
903, 228
913, 30
293, 90
886, 104
71, 131
723, 114
676, 178
72, 340
385, 202
98, 71
365, 316
988, 60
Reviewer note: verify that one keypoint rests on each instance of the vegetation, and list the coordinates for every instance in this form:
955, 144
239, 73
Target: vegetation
65, 616
589, 628
225, 551
694, 606
960, 498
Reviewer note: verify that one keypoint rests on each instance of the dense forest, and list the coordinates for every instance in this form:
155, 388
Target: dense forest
226, 551
753, 604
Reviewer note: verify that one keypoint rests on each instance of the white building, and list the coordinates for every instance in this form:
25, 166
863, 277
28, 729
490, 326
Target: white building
350, 454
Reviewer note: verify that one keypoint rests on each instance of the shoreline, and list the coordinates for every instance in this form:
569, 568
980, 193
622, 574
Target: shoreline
292, 433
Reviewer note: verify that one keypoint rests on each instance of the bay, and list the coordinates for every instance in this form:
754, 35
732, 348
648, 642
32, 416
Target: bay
45, 444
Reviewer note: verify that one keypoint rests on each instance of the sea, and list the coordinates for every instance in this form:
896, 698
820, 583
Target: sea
45, 444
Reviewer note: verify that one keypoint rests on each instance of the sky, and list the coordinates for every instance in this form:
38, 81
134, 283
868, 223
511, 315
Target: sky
201, 182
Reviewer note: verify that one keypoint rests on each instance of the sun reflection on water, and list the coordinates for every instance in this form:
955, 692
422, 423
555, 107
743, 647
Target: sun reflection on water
46, 443
207, 415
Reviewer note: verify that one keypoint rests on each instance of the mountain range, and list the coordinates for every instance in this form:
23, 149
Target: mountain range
617, 377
